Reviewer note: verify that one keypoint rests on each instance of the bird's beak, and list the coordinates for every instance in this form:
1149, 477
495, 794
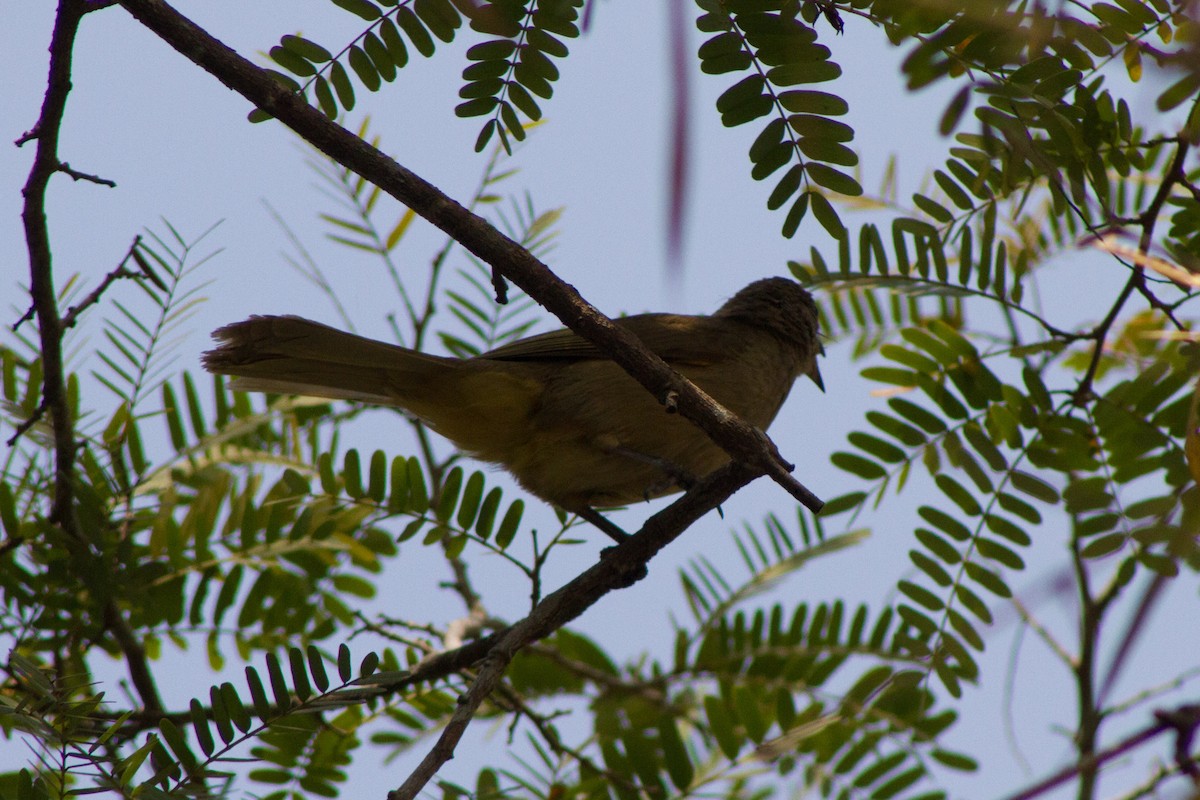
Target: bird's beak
815, 374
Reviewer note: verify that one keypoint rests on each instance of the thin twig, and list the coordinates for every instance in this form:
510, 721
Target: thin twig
75, 174
28, 423
1043, 633
1092, 762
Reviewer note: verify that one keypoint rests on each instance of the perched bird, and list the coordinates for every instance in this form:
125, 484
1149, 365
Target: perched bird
567, 422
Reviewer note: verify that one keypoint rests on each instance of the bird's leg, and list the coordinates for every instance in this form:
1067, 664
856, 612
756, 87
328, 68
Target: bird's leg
596, 518
676, 475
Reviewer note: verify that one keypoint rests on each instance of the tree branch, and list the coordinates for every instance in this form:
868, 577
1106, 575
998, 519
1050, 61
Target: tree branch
743, 442
1183, 720
620, 567
51, 327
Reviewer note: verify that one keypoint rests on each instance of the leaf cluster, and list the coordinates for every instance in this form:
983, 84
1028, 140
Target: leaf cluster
776, 42
507, 74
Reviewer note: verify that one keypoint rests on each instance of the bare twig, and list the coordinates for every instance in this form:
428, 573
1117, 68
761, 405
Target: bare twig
28, 423
743, 442
75, 174
73, 313
1183, 718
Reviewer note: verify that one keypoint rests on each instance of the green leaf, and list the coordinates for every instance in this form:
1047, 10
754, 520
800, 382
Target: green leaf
291, 61
258, 694
380, 57
808, 101
352, 474
873, 445
203, 733
361, 8
1034, 486
675, 756
747, 90
930, 567
325, 98
171, 734
920, 595
954, 111
416, 32
361, 63
8, 512
316, 667
342, 85
478, 107
300, 683
418, 495
720, 723
487, 513
842, 503
306, 49
857, 465
279, 687
1104, 545
394, 42
832, 179
824, 211
448, 498
996, 551
786, 187
472, 495
987, 579
439, 16
235, 708
958, 494
945, 523
510, 524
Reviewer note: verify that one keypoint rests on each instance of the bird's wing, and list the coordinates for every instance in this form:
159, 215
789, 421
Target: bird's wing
675, 338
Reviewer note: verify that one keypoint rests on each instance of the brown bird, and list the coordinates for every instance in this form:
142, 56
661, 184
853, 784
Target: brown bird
567, 422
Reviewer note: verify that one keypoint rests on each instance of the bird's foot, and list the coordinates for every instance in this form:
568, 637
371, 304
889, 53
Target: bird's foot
610, 529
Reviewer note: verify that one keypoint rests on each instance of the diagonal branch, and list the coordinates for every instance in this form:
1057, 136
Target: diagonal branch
620, 567
743, 442
1183, 721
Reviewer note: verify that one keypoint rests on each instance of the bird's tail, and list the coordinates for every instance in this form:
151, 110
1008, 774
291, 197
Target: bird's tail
291, 355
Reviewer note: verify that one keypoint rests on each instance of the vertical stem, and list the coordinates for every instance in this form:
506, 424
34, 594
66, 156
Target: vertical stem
1085, 684
50, 333
41, 274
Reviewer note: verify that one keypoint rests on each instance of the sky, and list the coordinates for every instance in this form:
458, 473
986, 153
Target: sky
178, 146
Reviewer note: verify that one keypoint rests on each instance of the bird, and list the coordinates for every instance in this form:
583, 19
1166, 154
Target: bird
566, 421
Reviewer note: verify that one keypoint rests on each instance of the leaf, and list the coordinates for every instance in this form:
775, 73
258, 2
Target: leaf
362, 8
361, 63
415, 30
832, 179
300, 683
510, 524
824, 211
857, 465
675, 756
306, 49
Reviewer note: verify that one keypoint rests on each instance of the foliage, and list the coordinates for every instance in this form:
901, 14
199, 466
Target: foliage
197, 515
